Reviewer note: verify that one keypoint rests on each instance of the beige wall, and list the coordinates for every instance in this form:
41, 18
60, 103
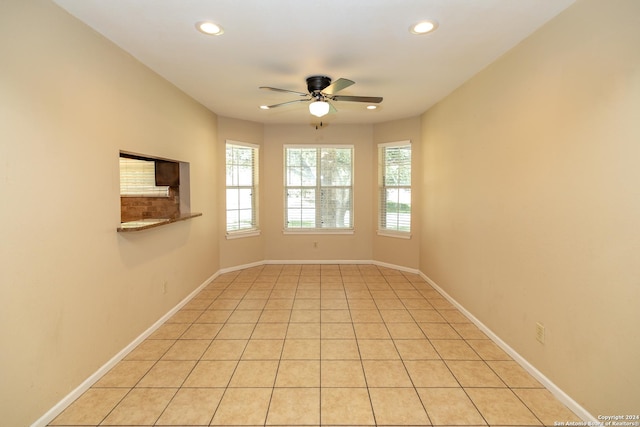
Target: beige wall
526, 207
279, 246
393, 250
246, 250
364, 245
532, 203
73, 292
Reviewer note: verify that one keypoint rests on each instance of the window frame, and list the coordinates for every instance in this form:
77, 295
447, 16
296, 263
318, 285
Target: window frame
383, 186
318, 189
254, 229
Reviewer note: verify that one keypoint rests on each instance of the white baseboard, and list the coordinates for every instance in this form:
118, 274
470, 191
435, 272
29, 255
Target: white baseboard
319, 261
323, 262
86, 384
293, 262
546, 382
240, 267
396, 267
77, 392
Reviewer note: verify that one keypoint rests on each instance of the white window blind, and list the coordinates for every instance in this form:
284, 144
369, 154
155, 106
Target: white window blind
318, 187
394, 210
138, 178
242, 186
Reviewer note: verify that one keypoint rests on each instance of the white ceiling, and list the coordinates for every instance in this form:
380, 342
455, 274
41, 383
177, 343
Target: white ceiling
279, 43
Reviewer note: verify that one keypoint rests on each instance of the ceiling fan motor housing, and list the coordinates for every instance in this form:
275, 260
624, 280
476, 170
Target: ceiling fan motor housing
317, 83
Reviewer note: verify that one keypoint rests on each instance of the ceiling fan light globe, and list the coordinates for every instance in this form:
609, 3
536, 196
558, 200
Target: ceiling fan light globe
319, 108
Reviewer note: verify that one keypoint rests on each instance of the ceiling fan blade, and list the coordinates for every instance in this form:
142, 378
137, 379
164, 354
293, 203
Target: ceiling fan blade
332, 109
337, 86
369, 99
283, 90
285, 103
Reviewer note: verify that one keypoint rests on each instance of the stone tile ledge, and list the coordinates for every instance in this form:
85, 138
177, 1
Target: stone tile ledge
147, 223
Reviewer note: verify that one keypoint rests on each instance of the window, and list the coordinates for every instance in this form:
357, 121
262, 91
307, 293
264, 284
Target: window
242, 187
138, 178
394, 166
318, 188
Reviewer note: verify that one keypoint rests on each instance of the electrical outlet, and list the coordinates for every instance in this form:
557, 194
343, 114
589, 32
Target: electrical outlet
165, 284
540, 332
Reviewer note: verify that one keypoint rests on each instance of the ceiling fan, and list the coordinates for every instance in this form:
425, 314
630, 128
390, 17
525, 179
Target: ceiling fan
320, 91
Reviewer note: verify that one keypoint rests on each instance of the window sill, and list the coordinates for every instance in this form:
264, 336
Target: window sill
146, 196
147, 223
396, 234
319, 231
242, 234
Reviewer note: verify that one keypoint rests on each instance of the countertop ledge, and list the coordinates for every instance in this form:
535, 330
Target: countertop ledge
147, 223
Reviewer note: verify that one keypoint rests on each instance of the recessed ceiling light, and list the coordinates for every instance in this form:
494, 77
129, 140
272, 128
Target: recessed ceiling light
371, 107
423, 27
209, 28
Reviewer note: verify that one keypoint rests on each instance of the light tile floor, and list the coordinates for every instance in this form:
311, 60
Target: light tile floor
290, 345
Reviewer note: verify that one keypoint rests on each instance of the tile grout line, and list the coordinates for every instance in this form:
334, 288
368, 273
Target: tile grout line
155, 363
226, 388
446, 365
320, 355
240, 283
366, 383
415, 389
275, 378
